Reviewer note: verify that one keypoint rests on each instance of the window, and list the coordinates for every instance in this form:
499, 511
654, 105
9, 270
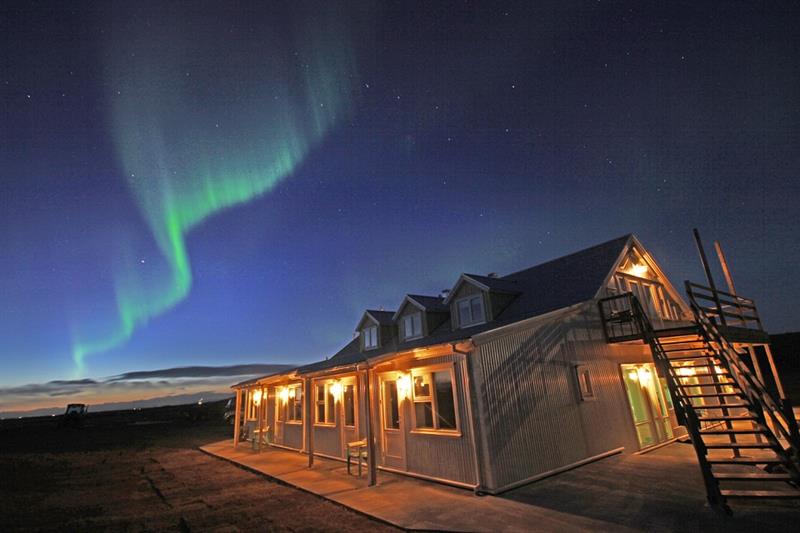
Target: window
391, 405
412, 326
584, 382
350, 405
326, 404
295, 404
470, 311
434, 401
370, 336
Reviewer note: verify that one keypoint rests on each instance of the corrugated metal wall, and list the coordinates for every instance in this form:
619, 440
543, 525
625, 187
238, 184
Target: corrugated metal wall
328, 440
531, 417
442, 456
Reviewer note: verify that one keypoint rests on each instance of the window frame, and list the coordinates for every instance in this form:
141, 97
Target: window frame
410, 318
328, 410
367, 332
433, 399
345, 384
469, 299
586, 388
291, 403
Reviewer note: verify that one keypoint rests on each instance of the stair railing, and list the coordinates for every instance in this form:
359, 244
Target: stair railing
785, 424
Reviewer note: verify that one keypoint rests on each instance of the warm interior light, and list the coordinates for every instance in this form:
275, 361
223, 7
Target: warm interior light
336, 389
403, 386
292, 392
638, 270
257, 397
284, 392
683, 371
644, 374
633, 375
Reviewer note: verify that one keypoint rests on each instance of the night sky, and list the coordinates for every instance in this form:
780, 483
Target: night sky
225, 183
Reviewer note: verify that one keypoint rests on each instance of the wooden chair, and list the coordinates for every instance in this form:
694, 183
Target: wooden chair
356, 450
259, 437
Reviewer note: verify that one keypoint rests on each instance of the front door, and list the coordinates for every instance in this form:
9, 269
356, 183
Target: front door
649, 406
392, 430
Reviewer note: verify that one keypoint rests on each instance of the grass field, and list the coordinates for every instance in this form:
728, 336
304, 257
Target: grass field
140, 471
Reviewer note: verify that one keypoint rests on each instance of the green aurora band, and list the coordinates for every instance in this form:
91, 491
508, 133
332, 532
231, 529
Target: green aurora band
200, 126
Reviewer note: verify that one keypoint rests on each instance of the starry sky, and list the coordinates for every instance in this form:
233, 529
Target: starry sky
226, 183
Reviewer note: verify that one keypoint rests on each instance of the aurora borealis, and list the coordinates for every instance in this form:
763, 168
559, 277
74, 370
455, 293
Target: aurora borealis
180, 165
232, 183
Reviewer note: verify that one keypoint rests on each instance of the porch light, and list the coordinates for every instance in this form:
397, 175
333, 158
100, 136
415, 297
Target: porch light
404, 386
257, 397
638, 270
336, 390
284, 392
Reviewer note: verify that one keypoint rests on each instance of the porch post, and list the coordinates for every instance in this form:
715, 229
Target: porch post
371, 459
237, 418
308, 421
259, 420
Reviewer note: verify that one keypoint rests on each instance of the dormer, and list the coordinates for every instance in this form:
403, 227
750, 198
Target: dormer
375, 329
476, 299
418, 316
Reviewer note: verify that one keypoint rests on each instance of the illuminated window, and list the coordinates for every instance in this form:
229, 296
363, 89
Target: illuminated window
391, 405
349, 405
584, 382
295, 404
470, 311
326, 404
434, 400
412, 326
370, 336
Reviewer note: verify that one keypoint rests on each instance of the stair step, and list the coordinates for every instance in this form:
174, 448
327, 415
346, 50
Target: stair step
717, 384
738, 445
760, 493
748, 431
687, 358
704, 365
744, 418
748, 476
723, 406
705, 374
744, 461
712, 395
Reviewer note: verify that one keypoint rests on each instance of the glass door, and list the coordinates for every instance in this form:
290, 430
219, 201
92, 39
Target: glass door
649, 406
394, 452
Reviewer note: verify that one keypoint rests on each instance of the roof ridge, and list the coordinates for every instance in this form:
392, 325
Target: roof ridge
606, 243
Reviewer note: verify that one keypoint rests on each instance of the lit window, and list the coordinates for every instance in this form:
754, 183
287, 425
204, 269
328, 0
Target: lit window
434, 401
370, 336
350, 405
295, 404
584, 382
470, 311
412, 326
326, 404
391, 405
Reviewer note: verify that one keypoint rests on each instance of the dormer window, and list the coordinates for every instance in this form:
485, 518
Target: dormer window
470, 311
370, 336
412, 326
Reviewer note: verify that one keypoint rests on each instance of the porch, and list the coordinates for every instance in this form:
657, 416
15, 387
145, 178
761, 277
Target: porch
660, 490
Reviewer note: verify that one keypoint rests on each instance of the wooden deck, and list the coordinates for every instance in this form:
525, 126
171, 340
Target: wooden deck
661, 490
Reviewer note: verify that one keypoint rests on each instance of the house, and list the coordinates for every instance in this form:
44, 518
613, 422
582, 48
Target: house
506, 379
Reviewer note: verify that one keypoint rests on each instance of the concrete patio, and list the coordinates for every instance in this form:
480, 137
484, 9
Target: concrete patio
658, 491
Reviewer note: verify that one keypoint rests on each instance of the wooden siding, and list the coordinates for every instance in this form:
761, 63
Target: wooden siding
528, 404
327, 440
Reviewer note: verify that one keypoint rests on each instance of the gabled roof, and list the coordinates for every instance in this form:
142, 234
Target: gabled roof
430, 304
383, 318
486, 283
550, 286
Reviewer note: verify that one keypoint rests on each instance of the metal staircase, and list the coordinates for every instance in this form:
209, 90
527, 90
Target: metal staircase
746, 441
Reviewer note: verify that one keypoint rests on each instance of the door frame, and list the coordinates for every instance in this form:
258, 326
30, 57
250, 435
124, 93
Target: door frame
660, 424
399, 434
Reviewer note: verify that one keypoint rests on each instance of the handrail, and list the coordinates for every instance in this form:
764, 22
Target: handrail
749, 383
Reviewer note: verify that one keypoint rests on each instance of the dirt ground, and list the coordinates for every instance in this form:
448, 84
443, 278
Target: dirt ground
140, 471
